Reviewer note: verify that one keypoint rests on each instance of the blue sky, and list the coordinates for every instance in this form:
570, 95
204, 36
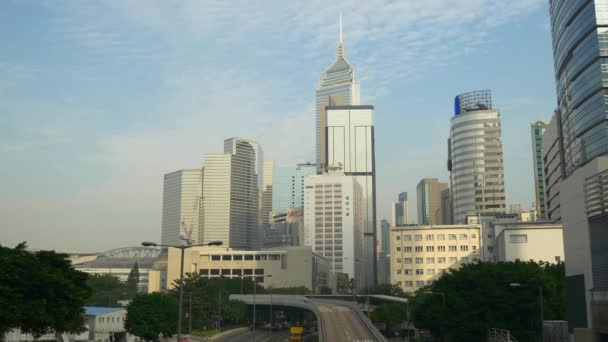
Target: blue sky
98, 99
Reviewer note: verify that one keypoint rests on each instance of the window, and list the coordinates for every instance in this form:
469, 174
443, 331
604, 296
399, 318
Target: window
226, 257
558, 258
399, 283
452, 248
452, 236
407, 260
215, 257
453, 259
419, 271
463, 236
225, 271
419, 249
473, 236
249, 257
419, 283
237, 257
398, 237
419, 260
407, 237
408, 283
259, 271
429, 237
441, 260
430, 260
430, 248
407, 249
215, 271
441, 237
441, 248
518, 238
407, 271
442, 271
474, 248
464, 259
464, 248
398, 260
204, 271
398, 271
398, 249
430, 271
418, 237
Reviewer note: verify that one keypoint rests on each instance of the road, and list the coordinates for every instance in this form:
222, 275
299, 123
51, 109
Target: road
260, 336
341, 323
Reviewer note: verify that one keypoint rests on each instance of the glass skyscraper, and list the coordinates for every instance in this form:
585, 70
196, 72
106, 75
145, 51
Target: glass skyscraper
288, 186
475, 158
429, 206
336, 86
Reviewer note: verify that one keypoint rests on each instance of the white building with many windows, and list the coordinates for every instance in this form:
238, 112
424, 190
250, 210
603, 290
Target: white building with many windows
421, 254
332, 221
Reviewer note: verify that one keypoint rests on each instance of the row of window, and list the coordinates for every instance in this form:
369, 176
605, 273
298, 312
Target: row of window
420, 271
229, 257
110, 319
409, 283
227, 271
440, 237
452, 248
431, 260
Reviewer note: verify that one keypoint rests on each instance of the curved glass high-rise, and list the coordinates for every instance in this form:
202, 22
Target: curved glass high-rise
476, 157
336, 86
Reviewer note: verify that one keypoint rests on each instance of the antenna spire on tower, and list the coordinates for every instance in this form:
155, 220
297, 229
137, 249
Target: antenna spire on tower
340, 45
340, 27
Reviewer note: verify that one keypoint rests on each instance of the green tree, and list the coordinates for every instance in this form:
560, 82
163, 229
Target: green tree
481, 296
42, 291
390, 314
133, 280
388, 290
234, 311
325, 290
149, 315
342, 283
107, 289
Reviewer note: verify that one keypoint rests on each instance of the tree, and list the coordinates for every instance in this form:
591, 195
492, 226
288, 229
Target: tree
325, 290
107, 289
342, 283
42, 291
388, 290
234, 311
478, 297
149, 315
133, 280
390, 314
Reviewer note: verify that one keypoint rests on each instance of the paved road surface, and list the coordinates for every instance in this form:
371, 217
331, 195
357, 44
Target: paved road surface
260, 336
341, 323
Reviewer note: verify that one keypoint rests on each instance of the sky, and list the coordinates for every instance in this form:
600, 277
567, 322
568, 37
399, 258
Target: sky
99, 99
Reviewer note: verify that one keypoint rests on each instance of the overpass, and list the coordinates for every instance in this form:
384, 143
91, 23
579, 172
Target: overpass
338, 320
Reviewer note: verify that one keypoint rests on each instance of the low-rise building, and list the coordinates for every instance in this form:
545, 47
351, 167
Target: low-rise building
421, 254
529, 241
286, 266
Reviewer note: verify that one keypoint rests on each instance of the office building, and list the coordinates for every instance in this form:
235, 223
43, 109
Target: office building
446, 206
333, 222
428, 193
475, 159
288, 186
421, 254
287, 266
553, 168
336, 86
350, 150
385, 233
285, 229
525, 241
182, 207
231, 195
400, 211
578, 30
267, 191
537, 129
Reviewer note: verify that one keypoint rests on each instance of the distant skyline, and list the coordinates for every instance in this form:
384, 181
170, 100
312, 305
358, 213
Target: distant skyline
98, 100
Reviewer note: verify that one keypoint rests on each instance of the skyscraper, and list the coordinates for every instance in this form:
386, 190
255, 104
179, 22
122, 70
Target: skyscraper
537, 129
385, 231
475, 158
231, 195
336, 86
182, 207
428, 198
267, 191
350, 149
580, 51
332, 222
400, 211
288, 186
553, 168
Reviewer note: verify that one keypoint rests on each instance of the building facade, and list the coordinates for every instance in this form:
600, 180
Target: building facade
475, 158
553, 167
385, 234
287, 266
285, 229
351, 150
182, 207
421, 254
580, 52
231, 195
267, 191
336, 86
428, 198
446, 207
333, 222
537, 129
400, 210
529, 241
288, 186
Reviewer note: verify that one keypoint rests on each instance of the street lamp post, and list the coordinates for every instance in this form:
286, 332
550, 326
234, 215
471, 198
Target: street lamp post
181, 275
542, 311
